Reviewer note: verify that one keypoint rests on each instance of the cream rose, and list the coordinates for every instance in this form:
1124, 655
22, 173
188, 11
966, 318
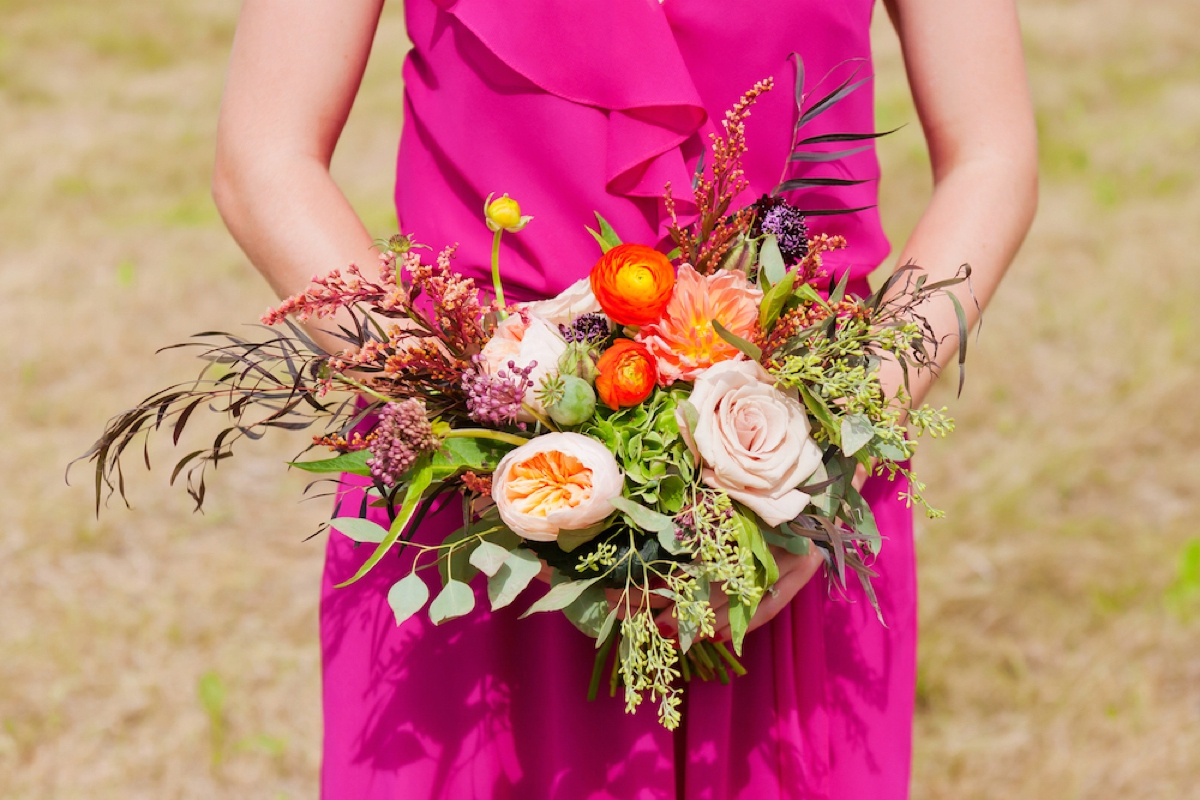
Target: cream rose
571, 304
559, 481
753, 439
523, 342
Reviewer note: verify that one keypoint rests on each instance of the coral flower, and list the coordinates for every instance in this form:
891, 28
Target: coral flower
683, 341
633, 283
557, 481
625, 374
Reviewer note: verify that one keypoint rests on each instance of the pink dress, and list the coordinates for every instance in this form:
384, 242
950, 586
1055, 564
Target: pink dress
572, 106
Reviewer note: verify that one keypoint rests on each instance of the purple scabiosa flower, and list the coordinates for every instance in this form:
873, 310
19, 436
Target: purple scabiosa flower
403, 433
588, 328
775, 215
496, 399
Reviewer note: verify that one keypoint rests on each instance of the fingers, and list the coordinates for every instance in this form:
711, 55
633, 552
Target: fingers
794, 572
637, 600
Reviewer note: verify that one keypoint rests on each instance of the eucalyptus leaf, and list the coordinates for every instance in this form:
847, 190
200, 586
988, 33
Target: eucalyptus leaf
569, 540
588, 611
455, 600
670, 542
513, 576
467, 452
857, 431
606, 627
822, 413
691, 416
560, 596
407, 596
796, 545
644, 518
488, 558
359, 529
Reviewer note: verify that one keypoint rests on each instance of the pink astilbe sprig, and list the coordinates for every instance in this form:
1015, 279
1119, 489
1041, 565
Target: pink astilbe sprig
402, 435
704, 243
457, 312
340, 289
496, 399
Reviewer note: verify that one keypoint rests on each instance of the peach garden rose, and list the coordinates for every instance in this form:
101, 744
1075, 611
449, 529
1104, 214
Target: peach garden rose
558, 481
753, 439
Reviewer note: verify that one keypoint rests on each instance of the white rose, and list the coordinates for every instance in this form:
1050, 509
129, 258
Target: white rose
558, 481
753, 439
523, 343
574, 301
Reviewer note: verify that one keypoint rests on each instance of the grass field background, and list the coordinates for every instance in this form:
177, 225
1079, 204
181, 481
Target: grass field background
162, 654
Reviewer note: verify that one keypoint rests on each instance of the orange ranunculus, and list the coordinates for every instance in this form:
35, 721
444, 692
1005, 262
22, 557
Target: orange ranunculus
633, 283
626, 374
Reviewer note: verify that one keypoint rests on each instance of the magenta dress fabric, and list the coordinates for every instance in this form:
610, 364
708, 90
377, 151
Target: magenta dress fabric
575, 106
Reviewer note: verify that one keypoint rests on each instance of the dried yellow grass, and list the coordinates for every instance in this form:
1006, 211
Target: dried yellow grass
161, 654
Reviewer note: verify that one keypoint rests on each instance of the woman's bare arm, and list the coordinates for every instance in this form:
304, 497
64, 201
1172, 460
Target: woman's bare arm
967, 72
293, 75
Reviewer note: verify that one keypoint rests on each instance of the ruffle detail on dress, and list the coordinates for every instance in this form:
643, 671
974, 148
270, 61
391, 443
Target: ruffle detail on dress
619, 56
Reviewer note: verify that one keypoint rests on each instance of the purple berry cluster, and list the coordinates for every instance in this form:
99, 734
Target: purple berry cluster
589, 328
495, 399
403, 434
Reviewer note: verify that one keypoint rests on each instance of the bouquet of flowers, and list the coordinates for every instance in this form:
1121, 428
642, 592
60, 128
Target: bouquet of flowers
655, 431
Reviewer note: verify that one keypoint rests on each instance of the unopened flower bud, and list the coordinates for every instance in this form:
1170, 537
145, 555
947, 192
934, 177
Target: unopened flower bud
579, 360
504, 214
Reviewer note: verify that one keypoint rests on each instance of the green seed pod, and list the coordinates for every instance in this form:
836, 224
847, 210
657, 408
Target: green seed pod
577, 404
579, 360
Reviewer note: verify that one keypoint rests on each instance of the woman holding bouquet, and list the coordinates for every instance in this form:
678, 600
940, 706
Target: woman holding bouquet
579, 106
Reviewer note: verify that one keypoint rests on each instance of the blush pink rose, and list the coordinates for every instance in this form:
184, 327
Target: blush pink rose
558, 481
523, 342
752, 439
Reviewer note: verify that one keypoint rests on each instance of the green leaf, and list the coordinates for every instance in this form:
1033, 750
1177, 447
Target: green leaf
691, 416
457, 564
773, 301
407, 596
749, 535
864, 519
671, 543
455, 600
568, 541
739, 621
467, 453
794, 544
606, 627
422, 472
806, 292
770, 261
488, 558
355, 463
749, 348
856, 431
560, 596
818, 409
513, 576
891, 452
604, 246
839, 291
589, 611
644, 518
360, 530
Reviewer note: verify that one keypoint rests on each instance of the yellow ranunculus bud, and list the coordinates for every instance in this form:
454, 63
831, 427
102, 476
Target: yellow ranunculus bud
504, 213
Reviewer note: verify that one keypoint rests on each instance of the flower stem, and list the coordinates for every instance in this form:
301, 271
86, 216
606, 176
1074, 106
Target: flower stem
362, 388
734, 664
496, 285
484, 433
